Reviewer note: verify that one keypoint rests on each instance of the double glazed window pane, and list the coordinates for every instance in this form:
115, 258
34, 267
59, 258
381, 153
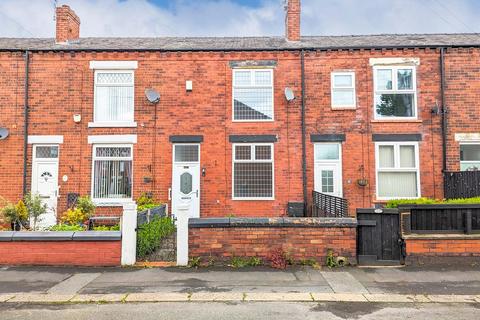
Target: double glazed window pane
114, 97
343, 97
404, 79
112, 178
327, 181
397, 184
253, 180
384, 79
407, 157
44, 152
342, 80
253, 95
386, 156
395, 105
470, 157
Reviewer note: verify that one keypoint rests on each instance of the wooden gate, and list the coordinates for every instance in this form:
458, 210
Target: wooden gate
379, 241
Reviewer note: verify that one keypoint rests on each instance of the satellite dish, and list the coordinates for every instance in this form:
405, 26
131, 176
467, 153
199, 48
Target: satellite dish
289, 95
3, 133
152, 95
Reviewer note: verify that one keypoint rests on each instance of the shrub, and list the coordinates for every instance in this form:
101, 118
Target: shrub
35, 207
195, 262
74, 216
66, 227
14, 214
278, 259
146, 201
150, 235
397, 202
107, 228
86, 205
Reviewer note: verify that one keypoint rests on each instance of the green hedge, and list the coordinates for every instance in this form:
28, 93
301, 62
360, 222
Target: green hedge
150, 235
396, 203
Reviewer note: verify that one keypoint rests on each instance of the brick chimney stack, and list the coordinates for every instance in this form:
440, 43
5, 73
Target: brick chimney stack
292, 20
68, 25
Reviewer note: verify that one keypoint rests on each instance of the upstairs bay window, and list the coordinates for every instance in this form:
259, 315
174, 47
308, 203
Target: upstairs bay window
397, 170
112, 173
395, 92
470, 157
114, 97
252, 95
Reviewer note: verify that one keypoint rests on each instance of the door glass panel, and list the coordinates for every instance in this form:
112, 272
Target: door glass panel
47, 152
327, 181
186, 183
186, 153
326, 152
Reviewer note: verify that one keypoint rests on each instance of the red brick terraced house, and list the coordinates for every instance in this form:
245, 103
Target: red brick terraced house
236, 126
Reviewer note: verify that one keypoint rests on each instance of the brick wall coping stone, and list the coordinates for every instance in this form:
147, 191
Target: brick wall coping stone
443, 236
379, 210
6, 236
273, 222
439, 206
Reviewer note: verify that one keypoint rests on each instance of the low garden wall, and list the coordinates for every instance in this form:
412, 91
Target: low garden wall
298, 238
66, 248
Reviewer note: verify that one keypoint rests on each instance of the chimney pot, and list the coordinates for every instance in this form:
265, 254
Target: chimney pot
67, 25
292, 20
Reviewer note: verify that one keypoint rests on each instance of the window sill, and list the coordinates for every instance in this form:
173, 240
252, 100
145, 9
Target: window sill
111, 202
112, 124
339, 108
253, 199
247, 121
397, 120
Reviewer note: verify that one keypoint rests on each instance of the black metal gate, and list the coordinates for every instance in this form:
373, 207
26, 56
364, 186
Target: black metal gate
378, 237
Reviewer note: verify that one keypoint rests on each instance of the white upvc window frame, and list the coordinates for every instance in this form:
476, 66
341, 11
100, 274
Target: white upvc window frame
395, 90
105, 202
336, 89
396, 146
338, 162
252, 160
112, 124
252, 72
463, 143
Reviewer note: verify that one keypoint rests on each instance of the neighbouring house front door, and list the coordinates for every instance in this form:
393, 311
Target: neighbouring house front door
45, 182
186, 180
328, 169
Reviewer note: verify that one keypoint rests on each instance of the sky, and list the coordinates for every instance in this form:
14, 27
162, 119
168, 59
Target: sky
150, 18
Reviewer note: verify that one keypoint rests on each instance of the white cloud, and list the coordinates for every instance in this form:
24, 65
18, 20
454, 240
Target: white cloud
24, 18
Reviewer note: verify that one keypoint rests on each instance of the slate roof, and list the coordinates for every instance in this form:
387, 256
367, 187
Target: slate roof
246, 43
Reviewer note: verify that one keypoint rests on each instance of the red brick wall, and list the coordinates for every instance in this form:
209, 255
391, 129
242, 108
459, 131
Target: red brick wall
443, 247
462, 71
61, 85
298, 243
68, 253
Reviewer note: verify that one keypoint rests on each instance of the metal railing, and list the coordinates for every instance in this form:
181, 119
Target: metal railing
325, 205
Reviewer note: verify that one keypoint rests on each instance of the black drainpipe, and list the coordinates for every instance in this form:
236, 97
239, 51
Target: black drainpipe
304, 150
444, 116
25, 122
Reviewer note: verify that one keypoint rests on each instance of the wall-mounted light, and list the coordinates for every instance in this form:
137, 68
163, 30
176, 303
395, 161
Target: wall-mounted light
204, 172
77, 118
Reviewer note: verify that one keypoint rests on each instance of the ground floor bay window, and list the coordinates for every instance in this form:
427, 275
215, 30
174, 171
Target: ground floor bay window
397, 170
253, 172
112, 173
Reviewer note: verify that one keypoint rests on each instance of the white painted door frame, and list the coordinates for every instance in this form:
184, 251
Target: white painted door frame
186, 201
46, 168
327, 166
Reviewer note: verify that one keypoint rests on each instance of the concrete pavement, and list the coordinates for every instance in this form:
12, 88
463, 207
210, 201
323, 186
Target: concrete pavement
304, 284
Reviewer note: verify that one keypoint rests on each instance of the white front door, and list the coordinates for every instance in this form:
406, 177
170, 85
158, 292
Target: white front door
186, 180
328, 169
45, 182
